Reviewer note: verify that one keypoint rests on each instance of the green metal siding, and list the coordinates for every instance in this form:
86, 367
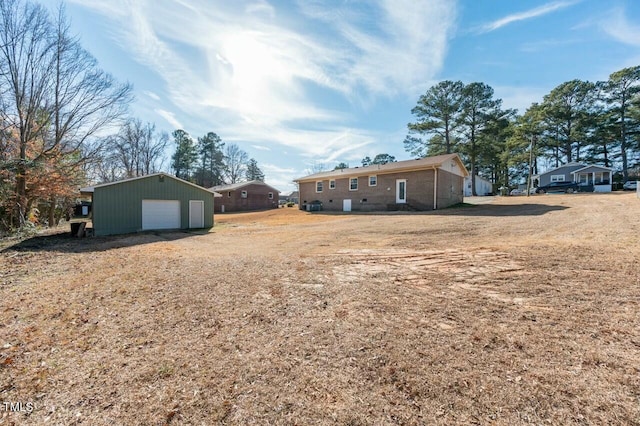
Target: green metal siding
117, 208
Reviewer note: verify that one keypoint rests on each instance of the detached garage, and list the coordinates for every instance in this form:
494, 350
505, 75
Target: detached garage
152, 202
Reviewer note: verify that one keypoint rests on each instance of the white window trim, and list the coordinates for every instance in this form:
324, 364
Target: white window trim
376, 178
271, 195
244, 194
356, 188
557, 178
332, 184
321, 184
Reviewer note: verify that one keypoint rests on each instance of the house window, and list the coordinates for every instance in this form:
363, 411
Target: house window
271, 195
319, 186
557, 178
602, 178
583, 179
229, 194
332, 184
243, 194
373, 180
353, 184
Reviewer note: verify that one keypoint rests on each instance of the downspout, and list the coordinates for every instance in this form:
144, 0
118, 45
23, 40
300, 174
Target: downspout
435, 188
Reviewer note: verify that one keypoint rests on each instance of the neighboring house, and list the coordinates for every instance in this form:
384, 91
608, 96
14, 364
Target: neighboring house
291, 197
483, 186
589, 178
246, 196
424, 184
156, 201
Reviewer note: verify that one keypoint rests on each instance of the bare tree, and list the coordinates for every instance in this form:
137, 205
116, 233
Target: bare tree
25, 67
236, 163
136, 150
316, 168
53, 96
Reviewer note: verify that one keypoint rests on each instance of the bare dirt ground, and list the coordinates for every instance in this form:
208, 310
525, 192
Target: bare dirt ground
520, 311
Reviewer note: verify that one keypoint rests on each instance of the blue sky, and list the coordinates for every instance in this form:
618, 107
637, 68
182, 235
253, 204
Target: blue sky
304, 83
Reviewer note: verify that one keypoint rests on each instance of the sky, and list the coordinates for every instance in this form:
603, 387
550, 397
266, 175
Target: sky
306, 84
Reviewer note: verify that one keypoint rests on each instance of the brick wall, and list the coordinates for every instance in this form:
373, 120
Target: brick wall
371, 198
257, 199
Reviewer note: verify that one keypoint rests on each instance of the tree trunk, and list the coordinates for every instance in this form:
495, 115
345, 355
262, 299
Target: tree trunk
52, 212
623, 140
21, 187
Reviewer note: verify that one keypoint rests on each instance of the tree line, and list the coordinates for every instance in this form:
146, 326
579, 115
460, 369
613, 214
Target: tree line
209, 162
54, 100
57, 105
138, 149
598, 123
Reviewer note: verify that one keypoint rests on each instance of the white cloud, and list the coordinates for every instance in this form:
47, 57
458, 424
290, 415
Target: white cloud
170, 118
261, 148
529, 14
261, 6
152, 95
390, 50
519, 98
272, 168
618, 26
252, 71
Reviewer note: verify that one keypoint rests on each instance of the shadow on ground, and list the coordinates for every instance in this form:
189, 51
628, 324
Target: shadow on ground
63, 242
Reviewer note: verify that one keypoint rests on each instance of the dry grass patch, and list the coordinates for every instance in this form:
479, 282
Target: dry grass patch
523, 311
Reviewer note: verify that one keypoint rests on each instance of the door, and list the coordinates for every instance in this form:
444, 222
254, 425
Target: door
196, 214
401, 191
160, 214
346, 205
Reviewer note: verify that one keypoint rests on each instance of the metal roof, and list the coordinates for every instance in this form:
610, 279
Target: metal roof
90, 189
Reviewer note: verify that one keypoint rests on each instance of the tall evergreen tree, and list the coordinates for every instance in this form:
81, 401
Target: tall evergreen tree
493, 143
479, 109
341, 166
437, 115
211, 165
383, 159
186, 155
566, 110
621, 90
253, 171
378, 159
522, 146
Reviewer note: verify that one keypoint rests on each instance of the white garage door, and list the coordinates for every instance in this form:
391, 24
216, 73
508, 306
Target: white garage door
160, 214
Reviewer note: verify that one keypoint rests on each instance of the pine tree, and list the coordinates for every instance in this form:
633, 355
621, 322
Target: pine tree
253, 171
186, 155
211, 165
438, 117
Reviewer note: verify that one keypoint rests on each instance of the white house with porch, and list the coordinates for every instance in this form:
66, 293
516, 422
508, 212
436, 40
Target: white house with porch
597, 176
590, 178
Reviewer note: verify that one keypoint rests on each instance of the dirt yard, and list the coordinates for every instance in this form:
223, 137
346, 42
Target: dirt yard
525, 310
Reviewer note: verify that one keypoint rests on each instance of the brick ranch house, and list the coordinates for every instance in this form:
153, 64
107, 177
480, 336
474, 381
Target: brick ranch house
245, 196
424, 184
